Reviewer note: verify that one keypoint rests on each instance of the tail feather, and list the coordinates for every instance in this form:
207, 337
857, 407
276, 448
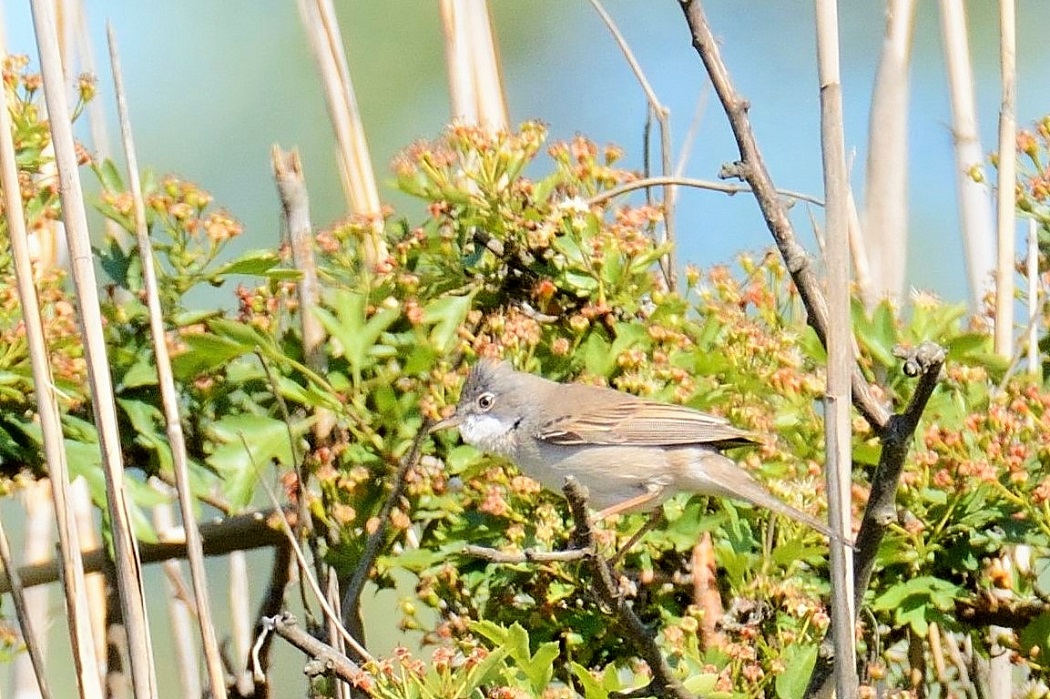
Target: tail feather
718, 475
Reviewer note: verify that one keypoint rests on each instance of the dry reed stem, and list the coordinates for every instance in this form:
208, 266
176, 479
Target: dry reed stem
668, 263
1007, 197
25, 622
975, 207
837, 416
239, 592
359, 181
180, 614
885, 215
78, 238
1032, 272
38, 543
474, 75
168, 391
77, 615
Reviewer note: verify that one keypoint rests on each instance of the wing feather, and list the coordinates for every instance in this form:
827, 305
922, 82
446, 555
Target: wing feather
641, 422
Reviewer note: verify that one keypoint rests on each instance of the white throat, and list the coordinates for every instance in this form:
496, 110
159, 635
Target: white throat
487, 433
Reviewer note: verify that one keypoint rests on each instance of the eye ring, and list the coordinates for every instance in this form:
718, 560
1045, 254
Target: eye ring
486, 401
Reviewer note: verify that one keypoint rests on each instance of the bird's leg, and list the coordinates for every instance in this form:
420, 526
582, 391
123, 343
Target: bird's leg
635, 503
656, 517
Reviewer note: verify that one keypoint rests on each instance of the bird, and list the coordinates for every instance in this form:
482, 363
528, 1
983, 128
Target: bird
631, 453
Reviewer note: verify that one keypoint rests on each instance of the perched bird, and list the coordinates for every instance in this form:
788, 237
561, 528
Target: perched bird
629, 452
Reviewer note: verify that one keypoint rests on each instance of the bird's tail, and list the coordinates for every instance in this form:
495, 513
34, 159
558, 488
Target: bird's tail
718, 475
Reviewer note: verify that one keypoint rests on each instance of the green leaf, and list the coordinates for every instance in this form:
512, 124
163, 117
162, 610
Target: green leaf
247, 444
447, 313
592, 689
255, 262
1036, 634
798, 665
205, 353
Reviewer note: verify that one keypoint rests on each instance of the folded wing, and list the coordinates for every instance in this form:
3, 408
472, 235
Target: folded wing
643, 423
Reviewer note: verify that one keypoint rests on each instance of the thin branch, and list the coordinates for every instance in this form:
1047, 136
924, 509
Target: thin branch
526, 556
251, 682
327, 660
752, 169
925, 361
168, 392
354, 588
711, 185
662, 114
25, 622
664, 681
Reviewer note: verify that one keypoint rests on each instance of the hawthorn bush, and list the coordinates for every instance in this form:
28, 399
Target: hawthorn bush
518, 258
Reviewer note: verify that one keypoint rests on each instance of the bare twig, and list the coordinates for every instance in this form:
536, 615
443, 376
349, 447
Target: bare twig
356, 585
647, 182
250, 683
752, 169
312, 582
664, 682
526, 556
327, 660
29, 635
662, 115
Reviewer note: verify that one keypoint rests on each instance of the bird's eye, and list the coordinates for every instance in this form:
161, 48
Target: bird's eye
486, 401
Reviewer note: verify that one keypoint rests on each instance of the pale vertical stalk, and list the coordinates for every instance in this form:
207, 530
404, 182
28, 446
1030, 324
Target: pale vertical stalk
180, 615
840, 346
1007, 197
975, 206
127, 563
1033, 296
37, 547
999, 666
240, 612
359, 182
668, 262
85, 664
859, 256
474, 75
94, 583
25, 621
168, 392
885, 215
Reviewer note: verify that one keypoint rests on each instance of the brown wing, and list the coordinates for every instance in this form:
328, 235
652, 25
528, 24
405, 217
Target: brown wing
641, 422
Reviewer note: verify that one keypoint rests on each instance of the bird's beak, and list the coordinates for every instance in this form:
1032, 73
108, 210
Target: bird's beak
452, 420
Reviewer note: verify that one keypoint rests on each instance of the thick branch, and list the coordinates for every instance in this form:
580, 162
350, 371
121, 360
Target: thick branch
752, 169
664, 682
